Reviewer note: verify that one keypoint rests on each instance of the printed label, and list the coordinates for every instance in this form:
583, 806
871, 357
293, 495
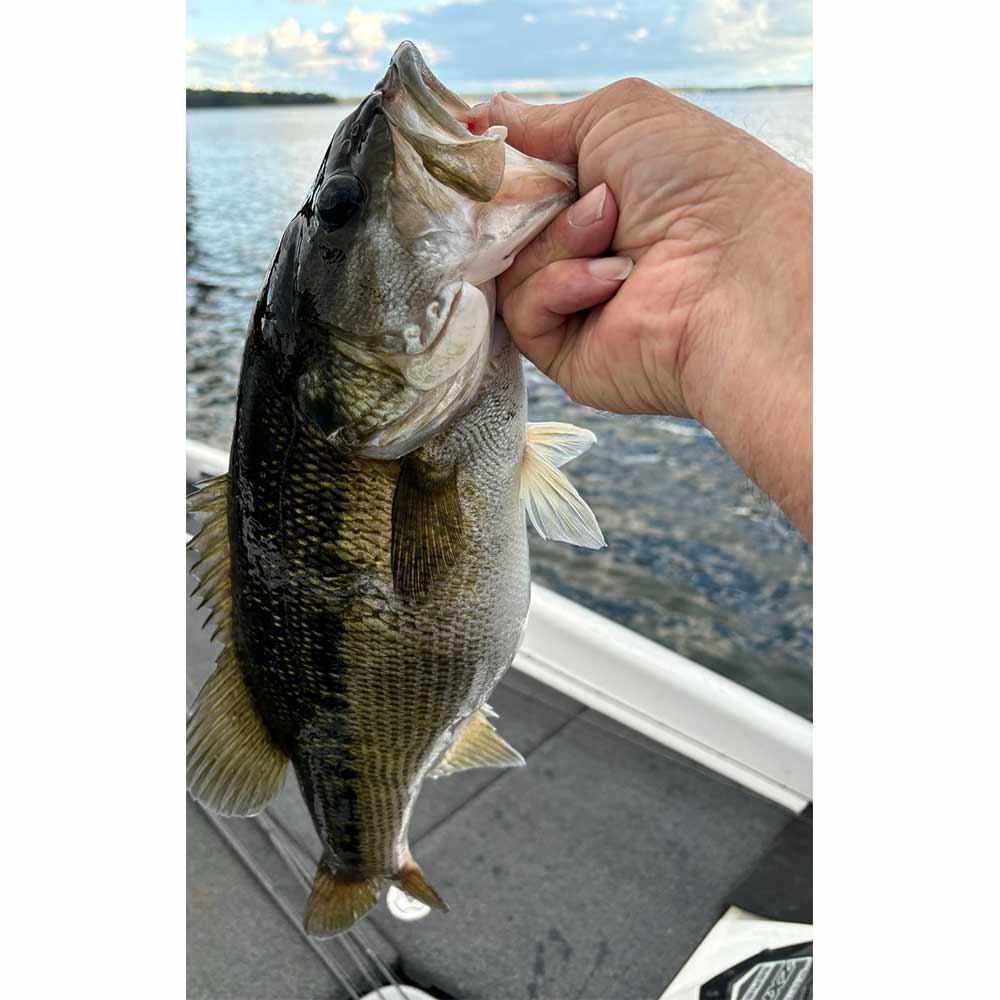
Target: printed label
779, 974
788, 980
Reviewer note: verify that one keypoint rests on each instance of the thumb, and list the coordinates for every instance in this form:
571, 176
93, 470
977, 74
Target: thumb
548, 131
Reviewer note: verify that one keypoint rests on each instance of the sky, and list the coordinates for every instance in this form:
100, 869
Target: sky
480, 46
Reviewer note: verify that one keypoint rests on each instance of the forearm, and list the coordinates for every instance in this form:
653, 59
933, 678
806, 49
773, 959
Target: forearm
748, 375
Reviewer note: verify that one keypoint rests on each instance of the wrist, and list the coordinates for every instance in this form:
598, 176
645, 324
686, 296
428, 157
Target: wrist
745, 368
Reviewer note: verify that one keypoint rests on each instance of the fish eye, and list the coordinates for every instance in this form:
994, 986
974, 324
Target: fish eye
338, 200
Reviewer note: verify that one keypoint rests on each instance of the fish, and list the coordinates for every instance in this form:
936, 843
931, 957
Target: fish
364, 560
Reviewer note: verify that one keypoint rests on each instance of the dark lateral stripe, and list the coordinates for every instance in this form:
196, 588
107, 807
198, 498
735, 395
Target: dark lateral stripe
288, 498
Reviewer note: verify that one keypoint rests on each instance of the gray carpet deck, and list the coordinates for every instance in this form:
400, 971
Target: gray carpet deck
591, 873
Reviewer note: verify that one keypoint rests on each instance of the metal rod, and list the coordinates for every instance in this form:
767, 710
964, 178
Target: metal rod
284, 838
247, 858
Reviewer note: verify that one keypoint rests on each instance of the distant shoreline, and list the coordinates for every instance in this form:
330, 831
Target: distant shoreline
263, 99
253, 99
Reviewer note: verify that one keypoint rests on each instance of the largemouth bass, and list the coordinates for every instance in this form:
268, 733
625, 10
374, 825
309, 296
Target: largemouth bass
365, 558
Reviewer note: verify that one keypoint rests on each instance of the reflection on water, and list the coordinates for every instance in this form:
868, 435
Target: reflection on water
696, 560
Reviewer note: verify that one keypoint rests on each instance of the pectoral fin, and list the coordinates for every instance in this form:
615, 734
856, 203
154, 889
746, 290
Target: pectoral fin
559, 443
554, 507
428, 529
477, 745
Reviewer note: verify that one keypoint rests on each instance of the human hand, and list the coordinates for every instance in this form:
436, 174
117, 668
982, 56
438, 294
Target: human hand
713, 321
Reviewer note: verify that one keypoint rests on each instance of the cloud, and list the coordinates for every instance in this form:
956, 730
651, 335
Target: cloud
281, 56
431, 53
792, 19
344, 49
293, 57
613, 12
364, 36
756, 26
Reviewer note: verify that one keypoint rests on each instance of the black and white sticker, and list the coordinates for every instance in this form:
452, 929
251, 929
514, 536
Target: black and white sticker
747, 957
781, 974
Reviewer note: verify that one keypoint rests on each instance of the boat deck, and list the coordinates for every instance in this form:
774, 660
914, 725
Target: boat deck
593, 872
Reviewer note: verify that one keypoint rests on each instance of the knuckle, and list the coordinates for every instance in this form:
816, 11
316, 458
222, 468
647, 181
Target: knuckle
633, 88
513, 114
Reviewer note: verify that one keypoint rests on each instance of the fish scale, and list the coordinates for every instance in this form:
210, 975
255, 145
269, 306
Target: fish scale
365, 558
345, 655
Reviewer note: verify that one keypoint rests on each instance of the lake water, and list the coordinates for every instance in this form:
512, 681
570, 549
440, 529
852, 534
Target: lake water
696, 560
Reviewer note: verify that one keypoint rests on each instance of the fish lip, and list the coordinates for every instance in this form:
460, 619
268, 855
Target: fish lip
409, 76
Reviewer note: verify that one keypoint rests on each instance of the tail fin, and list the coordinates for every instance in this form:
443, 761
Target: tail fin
338, 901
411, 880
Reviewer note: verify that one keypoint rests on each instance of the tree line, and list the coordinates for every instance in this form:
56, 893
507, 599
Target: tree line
244, 99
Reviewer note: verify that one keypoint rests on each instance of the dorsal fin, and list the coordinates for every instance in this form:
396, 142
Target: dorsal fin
233, 767
209, 502
477, 745
554, 507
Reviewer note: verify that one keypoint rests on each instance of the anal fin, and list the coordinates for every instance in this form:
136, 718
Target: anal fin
477, 745
337, 901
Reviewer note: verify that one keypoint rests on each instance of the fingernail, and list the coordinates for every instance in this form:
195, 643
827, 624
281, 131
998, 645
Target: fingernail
589, 209
611, 268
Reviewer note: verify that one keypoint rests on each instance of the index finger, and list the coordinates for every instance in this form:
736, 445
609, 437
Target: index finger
548, 131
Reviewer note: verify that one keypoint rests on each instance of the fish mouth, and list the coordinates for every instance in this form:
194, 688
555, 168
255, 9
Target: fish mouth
424, 114
511, 196
459, 206
474, 194
409, 76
